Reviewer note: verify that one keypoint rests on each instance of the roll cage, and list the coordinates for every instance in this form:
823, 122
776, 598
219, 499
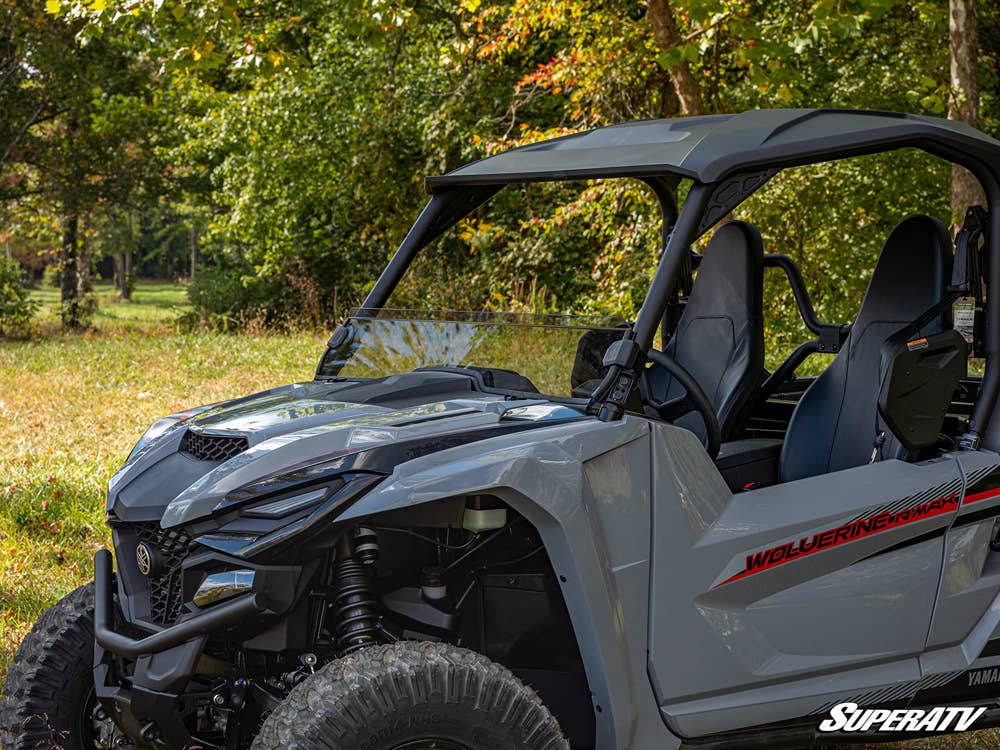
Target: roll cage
727, 158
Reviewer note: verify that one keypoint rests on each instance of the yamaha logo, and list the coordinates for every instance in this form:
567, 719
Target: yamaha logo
144, 558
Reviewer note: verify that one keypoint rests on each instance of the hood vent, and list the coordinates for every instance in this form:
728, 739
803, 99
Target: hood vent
212, 447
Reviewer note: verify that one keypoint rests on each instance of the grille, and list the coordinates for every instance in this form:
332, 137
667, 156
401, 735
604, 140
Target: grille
212, 447
166, 593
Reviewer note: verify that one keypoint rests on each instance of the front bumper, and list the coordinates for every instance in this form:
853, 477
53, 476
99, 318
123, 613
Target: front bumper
218, 618
146, 705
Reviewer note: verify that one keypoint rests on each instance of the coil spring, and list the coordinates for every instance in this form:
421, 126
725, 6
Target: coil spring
354, 616
366, 548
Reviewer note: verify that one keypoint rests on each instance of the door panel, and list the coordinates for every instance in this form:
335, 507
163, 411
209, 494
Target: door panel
971, 578
770, 603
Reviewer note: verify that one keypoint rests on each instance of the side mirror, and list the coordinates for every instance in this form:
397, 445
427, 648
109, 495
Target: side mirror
588, 365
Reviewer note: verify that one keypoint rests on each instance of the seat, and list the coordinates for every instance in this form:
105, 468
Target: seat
720, 337
836, 422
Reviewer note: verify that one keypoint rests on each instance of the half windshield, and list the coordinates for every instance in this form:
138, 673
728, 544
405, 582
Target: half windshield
554, 355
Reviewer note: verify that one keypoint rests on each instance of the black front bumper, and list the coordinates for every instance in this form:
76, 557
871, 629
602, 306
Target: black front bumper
218, 618
146, 705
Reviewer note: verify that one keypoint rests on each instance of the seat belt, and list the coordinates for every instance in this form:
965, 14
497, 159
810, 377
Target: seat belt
967, 274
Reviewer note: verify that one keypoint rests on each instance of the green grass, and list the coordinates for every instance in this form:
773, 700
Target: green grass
72, 406
152, 302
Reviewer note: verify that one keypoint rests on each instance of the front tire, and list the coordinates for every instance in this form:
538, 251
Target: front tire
48, 692
412, 696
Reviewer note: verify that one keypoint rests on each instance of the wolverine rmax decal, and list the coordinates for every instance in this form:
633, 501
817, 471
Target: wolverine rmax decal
891, 516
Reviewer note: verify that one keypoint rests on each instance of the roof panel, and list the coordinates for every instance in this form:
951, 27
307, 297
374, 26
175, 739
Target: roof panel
708, 148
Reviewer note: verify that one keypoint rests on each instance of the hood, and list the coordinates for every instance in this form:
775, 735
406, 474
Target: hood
187, 464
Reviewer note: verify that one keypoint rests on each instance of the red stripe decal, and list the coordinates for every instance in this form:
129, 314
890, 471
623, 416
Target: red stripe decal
849, 532
984, 495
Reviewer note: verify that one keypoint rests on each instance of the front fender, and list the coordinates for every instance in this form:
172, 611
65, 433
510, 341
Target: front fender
585, 487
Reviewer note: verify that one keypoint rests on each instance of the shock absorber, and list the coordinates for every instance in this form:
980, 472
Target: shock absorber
354, 612
366, 547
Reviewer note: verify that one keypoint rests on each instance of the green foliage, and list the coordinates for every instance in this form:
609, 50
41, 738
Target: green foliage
225, 299
832, 219
84, 119
51, 277
286, 141
16, 307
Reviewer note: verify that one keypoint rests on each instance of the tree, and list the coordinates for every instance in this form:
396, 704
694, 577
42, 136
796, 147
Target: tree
664, 25
22, 25
963, 96
96, 151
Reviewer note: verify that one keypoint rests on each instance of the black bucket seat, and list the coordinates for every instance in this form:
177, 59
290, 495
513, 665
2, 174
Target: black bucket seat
835, 424
720, 336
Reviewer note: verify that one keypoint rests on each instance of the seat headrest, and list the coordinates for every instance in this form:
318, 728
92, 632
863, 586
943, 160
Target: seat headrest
730, 275
910, 275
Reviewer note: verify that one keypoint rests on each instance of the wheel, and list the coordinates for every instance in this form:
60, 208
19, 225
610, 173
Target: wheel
411, 696
48, 695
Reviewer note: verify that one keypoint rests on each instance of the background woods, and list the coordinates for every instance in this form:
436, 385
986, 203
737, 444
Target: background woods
278, 147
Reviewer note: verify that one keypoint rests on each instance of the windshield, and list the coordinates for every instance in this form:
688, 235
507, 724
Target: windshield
554, 355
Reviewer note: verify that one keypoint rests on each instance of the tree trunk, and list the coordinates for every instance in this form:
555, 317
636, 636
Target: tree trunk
670, 105
963, 97
170, 259
125, 277
84, 281
70, 308
122, 268
661, 18
194, 248
121, 256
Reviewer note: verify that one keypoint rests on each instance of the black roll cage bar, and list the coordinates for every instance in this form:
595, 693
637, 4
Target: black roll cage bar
680, 229
829, 336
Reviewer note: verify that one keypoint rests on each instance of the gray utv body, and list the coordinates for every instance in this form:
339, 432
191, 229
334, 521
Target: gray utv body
726, 600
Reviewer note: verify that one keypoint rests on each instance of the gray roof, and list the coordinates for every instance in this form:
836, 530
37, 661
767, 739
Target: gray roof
709, 148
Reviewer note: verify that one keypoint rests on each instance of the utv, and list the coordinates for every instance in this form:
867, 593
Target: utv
648, 545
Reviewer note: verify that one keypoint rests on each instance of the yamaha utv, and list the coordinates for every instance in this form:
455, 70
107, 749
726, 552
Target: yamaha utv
654, 544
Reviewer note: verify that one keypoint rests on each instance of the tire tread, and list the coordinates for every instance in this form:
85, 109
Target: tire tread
330, 707
33, 710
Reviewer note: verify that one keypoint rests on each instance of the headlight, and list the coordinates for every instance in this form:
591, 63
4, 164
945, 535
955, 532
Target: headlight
161, 426
304, 512
225, 585
157, 429
287, 505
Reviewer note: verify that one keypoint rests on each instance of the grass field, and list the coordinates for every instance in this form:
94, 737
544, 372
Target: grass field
71, 407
